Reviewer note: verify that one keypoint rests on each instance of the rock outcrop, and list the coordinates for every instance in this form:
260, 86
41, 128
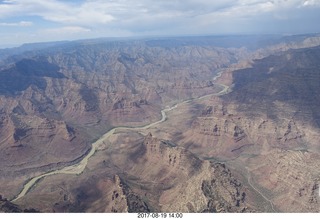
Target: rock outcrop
224, 192
8, 207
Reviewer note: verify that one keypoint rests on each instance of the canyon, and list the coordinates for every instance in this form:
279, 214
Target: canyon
194, 124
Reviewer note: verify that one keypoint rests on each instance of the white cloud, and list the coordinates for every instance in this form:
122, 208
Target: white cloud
17, 24
311, 3
57, 11
88, 13
97, 18
91, 13
66, 30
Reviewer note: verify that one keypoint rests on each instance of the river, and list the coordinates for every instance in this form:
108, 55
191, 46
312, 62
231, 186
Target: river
79, 167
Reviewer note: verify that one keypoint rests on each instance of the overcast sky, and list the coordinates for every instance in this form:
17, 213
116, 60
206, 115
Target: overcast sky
23, 21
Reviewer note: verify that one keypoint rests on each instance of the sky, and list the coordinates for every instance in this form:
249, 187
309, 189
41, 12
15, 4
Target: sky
27, 21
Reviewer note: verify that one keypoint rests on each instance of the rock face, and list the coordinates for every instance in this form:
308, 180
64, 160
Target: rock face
8, 207
25, 73
291, 179
289, 80
227, 133
272, 103
172, 179
268, 127
153, 175
224, 192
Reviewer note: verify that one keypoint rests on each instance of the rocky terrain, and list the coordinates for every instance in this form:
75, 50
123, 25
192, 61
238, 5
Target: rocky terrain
151, 175
254, 148
8, 207
266, 128
55, 104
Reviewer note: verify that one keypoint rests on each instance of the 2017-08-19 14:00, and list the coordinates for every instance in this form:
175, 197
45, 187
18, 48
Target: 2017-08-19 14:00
160, 215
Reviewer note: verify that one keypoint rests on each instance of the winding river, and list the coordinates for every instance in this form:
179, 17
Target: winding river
79, 167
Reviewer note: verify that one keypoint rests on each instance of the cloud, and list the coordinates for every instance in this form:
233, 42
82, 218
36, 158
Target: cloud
311, 3
66, 30
61, 12
73, 19
91, 13
88, 13
17, 24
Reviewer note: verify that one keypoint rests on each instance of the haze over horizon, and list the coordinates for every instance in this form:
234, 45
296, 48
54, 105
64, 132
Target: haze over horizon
31, 21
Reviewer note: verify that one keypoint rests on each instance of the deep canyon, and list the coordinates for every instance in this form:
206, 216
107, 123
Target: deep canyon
177, 124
